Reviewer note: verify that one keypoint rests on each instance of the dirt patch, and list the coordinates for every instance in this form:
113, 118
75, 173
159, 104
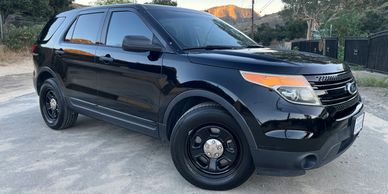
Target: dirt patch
8, 56
12, 86
17, 65
15, 62
375, 100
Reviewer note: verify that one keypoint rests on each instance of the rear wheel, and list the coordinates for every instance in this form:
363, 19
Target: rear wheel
209, 149
53, 106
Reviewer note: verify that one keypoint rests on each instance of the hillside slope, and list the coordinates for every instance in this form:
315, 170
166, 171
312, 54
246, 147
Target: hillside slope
241, 17
232, 14
272, 19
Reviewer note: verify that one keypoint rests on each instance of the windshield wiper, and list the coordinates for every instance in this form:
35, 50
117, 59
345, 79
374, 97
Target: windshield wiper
254, 46
213, 47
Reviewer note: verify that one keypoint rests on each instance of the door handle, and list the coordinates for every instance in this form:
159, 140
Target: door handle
59, 52
107, 59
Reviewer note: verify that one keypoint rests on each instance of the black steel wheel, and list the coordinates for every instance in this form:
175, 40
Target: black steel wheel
213, 149
209, 149
53, 107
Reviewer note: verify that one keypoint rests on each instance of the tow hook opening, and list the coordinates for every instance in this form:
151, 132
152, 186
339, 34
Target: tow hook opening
309, 162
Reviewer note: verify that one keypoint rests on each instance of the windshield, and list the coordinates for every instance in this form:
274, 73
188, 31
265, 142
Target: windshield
198, 30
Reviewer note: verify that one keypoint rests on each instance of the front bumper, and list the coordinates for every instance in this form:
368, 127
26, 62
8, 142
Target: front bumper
278, 162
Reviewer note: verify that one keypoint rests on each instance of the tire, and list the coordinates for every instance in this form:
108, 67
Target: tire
53, 107
209, 128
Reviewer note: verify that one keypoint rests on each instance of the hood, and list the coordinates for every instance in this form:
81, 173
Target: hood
266, 60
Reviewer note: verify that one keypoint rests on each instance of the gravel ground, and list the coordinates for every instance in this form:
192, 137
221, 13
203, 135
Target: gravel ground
97, 157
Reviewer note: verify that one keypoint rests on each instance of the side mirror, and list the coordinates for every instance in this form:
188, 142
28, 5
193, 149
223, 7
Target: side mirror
140, 44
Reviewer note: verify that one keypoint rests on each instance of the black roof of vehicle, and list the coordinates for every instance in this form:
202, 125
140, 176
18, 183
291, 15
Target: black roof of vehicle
150, 7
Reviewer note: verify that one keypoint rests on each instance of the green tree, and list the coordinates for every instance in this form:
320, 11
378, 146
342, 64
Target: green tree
373, 22
58, 6
108, 2
164, 2
33, 14
291, 30
265, 34
314, 12
37, 9
322, 13
294, 28
346, 23
8, 7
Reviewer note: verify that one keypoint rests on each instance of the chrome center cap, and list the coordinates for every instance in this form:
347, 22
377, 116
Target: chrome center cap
53, 104
213, 148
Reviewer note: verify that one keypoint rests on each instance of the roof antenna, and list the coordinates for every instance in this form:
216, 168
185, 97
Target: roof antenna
253, 18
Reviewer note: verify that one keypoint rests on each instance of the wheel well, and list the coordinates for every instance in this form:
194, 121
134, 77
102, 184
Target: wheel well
41, 78
180, 108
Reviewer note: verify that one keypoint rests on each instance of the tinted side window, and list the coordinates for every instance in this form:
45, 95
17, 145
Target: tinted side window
50, 28
87, 28
123, 24
69, 33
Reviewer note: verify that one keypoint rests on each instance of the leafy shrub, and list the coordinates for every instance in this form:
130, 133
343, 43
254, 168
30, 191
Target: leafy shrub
355, 67
17, 38
371, 80
291, 30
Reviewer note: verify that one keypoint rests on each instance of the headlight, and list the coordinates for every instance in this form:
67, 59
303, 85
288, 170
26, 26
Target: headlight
293, 88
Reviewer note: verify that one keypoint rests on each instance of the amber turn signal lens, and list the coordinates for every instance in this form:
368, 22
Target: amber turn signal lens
293, 88
270, 81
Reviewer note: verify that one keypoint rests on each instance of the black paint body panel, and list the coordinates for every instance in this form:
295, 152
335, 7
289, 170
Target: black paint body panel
138, 90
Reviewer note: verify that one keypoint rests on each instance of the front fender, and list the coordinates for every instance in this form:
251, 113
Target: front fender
216, 98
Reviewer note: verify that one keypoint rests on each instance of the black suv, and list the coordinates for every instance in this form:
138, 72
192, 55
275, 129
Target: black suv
227, 105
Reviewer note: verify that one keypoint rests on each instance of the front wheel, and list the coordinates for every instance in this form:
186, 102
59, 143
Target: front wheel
209, 149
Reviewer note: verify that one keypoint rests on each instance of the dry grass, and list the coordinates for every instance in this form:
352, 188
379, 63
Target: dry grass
8, 57
12, 62
369, 79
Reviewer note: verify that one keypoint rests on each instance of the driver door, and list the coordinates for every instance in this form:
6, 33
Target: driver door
128, 82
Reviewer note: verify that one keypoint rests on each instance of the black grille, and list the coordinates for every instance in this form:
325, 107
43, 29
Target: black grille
331, 89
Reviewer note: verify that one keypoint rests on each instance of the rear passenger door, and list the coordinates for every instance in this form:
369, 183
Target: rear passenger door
76, 55
129, 82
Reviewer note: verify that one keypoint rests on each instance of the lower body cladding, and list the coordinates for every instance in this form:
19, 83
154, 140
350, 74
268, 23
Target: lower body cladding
317, 150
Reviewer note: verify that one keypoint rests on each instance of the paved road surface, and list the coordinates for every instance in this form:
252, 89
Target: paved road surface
97, 157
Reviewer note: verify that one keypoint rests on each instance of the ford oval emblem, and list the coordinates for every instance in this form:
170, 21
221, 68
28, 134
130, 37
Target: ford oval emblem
351, 88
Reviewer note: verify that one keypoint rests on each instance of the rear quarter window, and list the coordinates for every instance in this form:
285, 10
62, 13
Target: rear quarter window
85, 29
50, 28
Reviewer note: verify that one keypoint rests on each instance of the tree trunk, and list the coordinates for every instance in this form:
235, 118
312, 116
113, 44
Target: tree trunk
309, 29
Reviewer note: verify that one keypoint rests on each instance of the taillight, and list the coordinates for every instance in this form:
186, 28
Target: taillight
34, 48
